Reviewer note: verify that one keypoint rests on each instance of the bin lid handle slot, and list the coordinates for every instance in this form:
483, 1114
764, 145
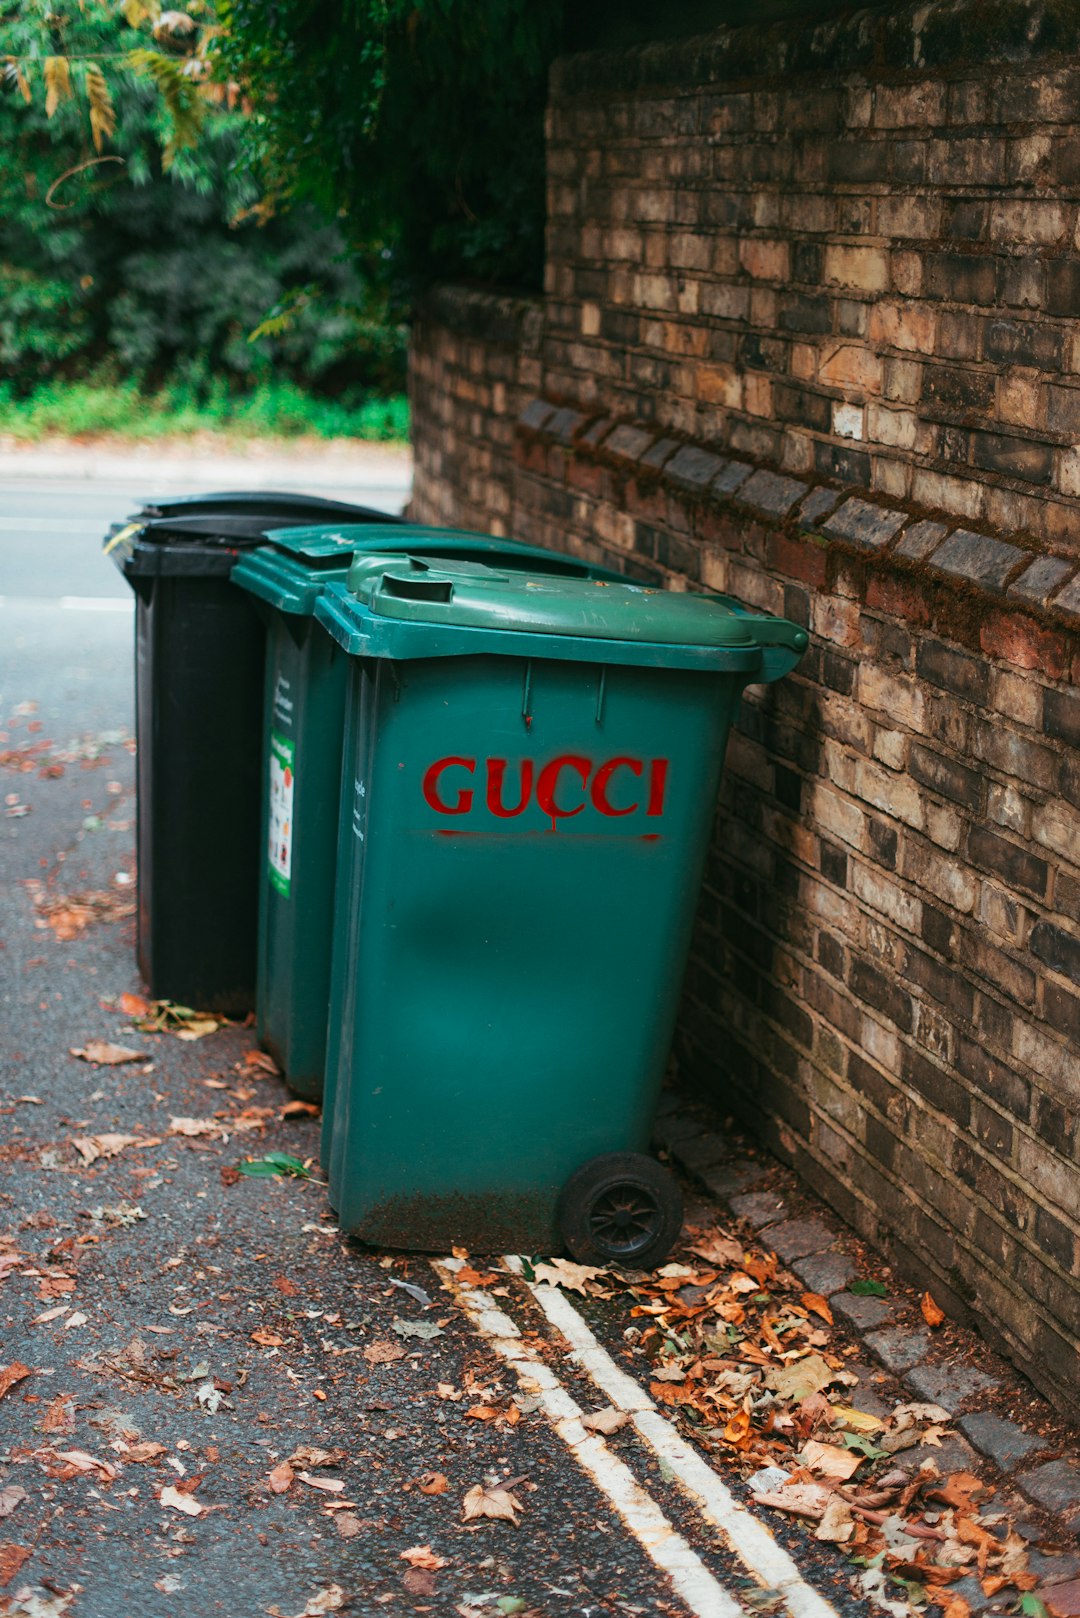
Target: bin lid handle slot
417, 587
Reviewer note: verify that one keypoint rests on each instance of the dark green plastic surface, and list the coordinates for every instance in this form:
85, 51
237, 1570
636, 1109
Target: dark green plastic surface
524, 823
305, 689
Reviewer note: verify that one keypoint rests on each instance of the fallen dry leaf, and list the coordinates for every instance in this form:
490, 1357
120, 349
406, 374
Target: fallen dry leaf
300, 1109
80, 1461
10, 1374
12, 1558
330, 1599
931, 1312
147, 1450
133, 1005
560, 1272
70, 914
197, 1028
957, 1607
606, 1421
798, 1380
424, 1556
491, 1502
799, 1499
260, 1059
328, 1485
48, 1315
59, 1414
720, 1249
267, 1339
281, 1478
382, 1352
172, 1496
432, 1483
476, 1278
830, 1460
104, 1054
837, 1524
855, 1421
195, 1126
347, 1524
817, 1305
91, 1147
311, 1455
11, 1497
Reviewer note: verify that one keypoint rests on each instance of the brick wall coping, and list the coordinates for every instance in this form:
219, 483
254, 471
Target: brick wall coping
947, 36
996, 594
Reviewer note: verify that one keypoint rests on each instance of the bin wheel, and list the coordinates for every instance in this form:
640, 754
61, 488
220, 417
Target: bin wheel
622, 1208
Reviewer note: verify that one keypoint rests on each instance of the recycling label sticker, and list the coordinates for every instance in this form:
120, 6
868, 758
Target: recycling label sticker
282, 786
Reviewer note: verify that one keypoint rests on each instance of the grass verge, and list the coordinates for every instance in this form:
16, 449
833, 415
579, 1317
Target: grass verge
269, 410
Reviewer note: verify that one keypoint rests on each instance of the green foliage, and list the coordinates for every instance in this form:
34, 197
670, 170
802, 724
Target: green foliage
421, 121
266, 410
132, 237
279, 1163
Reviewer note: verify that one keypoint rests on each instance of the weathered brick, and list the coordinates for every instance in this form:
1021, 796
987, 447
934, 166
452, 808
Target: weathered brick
535, 414
802, 406
627, 442
1063, 287
1024, 342
1039, 581
1056, 948
1061, 715
765, 491
817, 504
882, 992
978, 558
958, 388
1012, 863
692, 468
1015, 457
864, 524
952, 670
963, 277
920, 539
947, 776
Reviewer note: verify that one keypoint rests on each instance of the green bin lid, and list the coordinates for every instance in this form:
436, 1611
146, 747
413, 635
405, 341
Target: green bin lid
325, 545
414, 608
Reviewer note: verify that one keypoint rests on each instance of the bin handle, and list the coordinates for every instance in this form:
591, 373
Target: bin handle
782, 645
416, 587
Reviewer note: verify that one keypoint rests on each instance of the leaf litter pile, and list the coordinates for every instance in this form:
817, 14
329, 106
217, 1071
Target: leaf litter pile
745, 1360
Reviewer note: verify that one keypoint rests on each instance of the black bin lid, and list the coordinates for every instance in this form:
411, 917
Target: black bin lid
270, 507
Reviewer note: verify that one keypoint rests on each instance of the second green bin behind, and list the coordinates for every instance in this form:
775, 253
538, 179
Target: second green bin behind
304, 713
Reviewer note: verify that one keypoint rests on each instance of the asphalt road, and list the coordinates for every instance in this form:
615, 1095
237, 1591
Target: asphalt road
177, 1330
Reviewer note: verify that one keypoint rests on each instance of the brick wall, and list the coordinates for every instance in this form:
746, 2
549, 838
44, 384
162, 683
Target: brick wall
852, 250
886, 975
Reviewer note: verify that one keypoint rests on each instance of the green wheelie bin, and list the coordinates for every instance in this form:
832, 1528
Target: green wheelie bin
530, 779
305, 684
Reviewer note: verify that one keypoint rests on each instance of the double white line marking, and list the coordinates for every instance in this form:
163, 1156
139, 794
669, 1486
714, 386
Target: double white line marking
746, 1537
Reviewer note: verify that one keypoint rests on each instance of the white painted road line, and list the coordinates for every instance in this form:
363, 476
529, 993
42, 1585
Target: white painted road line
73, 603
748, 1538
51, 525
690, 1578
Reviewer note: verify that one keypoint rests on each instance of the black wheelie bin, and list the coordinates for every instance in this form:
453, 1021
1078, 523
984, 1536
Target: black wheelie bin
199, 648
